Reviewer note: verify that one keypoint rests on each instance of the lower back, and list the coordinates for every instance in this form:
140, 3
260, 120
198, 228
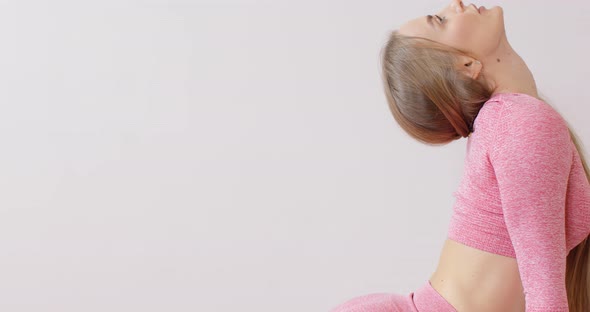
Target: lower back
475, 280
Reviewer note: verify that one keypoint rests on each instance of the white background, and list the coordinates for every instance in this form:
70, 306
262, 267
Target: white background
230, 155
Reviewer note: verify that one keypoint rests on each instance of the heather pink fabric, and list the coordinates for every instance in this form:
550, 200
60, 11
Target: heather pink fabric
425, 299
523, 194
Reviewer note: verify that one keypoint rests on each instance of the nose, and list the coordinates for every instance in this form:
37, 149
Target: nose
457, 6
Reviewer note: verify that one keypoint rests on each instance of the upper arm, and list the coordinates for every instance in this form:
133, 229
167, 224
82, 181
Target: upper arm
532, 157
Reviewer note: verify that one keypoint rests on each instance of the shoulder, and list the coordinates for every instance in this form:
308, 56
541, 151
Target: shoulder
524, 113
527, 127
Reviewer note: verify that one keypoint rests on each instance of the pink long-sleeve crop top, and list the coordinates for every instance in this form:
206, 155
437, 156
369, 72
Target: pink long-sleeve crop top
523, 194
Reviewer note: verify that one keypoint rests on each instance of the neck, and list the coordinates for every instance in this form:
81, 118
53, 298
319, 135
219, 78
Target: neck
508, 72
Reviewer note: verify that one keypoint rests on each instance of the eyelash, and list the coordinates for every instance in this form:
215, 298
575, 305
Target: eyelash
441, 19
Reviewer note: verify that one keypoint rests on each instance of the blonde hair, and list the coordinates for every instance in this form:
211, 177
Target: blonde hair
435, 103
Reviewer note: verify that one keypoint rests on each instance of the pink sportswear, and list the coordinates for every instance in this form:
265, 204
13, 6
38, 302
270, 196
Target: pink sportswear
523, 194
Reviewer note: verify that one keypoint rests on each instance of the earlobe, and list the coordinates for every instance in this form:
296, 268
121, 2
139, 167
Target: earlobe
476, 68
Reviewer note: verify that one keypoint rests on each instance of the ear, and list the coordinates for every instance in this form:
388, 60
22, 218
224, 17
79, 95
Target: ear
470, 66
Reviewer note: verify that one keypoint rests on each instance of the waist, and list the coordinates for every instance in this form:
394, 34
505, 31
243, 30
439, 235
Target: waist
476, 280
483, 230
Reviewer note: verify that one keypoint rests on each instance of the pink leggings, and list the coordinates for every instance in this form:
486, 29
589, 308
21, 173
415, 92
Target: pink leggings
425, 299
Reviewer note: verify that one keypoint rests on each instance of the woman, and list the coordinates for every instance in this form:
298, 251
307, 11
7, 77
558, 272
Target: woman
517, 238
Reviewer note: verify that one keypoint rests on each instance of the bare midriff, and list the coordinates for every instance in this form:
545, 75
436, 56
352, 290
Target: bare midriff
475, 280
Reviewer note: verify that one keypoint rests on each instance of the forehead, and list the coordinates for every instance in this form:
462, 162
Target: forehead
418, 27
